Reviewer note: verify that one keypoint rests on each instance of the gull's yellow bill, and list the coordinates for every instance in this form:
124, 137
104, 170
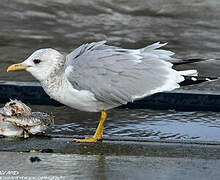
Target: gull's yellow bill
17, 67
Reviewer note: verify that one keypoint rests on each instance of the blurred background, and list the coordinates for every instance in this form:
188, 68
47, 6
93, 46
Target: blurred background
190, 27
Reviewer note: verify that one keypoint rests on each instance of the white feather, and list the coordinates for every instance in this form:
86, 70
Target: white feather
191, 72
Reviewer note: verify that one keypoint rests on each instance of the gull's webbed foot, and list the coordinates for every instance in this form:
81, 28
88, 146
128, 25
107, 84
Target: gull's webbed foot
87, 139
99, 131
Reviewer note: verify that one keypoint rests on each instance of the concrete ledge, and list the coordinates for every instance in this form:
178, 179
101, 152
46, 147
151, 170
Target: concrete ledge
179, 100
113, 146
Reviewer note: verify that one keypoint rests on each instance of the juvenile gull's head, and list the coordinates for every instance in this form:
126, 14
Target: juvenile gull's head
41, 64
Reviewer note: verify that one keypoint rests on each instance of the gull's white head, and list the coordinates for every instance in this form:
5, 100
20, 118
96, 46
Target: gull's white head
41, 64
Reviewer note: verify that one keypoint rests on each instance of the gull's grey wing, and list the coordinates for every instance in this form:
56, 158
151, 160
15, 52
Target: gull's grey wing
117, 76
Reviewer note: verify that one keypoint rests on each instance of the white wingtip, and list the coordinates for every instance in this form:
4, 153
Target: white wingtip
191, 72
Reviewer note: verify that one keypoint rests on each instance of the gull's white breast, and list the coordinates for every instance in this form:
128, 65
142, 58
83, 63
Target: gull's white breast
83, 100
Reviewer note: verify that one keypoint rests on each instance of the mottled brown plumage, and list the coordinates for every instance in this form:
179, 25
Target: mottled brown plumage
16, 119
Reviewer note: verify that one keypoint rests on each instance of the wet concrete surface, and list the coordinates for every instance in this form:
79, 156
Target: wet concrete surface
102, 167
110, 159
115, 146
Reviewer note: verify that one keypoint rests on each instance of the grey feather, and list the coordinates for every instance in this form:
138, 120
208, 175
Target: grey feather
117, 76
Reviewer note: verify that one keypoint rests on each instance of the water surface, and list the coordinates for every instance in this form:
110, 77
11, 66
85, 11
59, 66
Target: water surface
147, 124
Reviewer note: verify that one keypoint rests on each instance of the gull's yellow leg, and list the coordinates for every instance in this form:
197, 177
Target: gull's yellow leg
99, 131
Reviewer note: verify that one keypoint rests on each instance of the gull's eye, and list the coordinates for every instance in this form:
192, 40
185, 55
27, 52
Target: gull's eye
36, 61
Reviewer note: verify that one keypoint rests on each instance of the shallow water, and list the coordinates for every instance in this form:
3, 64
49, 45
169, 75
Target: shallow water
142, 123
190, 27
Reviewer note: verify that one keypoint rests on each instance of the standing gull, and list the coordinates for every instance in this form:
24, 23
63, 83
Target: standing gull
96, 77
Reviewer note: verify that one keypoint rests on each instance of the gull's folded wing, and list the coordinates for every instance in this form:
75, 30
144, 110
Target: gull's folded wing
117, 76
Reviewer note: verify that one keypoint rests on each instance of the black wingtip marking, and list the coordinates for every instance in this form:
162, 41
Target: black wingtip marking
190, 80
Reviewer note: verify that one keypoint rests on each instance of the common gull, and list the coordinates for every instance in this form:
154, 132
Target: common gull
97, 77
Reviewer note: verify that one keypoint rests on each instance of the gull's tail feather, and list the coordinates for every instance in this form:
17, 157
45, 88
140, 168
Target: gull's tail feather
160, 53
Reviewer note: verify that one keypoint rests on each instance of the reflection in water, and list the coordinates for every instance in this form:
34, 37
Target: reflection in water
101, 168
